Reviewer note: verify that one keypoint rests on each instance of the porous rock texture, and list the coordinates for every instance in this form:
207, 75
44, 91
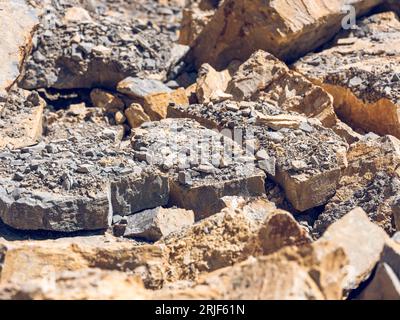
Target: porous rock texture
199, 149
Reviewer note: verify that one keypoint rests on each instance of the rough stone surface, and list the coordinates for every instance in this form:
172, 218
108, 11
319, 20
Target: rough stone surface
203, 166
287, 29
309, 157
18, 16
76, 179
21, 119
360, 71
155, 224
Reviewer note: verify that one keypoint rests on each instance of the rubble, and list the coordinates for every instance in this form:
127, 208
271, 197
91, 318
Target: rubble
360, 72
308, 157
201, 164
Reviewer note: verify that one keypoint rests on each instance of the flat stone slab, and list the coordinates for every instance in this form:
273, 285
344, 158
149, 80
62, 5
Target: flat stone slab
75, 182
202, 164
298, 153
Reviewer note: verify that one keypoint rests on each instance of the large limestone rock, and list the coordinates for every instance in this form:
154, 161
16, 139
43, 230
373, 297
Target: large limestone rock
287, 29
25, 261
304, 157
371, 181
325, 269
361, 71
87, 284
244, 229
17, 21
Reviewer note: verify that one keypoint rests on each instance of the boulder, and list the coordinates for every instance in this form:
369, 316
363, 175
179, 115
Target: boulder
287, 29
140, 88
136, 115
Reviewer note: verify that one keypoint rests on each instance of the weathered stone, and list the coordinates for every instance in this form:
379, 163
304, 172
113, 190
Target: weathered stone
34, 260
157, 223
218, 166
156, 105
349, 232
287, 29
243, 229
359, 74
88, 284
106, 101
306, 187
140, 88
384, 286
371, 181
16, 16
210, 82
74, 188
136, 115
21, 121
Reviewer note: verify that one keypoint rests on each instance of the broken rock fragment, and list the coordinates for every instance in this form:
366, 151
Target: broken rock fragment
76, 179
371, 181
21, 119
157, 223
305, 158
287, 29
202, 165
361, 73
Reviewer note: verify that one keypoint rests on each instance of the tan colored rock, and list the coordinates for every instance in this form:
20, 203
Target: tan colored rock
136, 115
77, 15
210, 83
106, 101
28, 260
362, 74
361, 240
86, 284
156, 105
287, 29
310, 272
248, 228
16, 16
22, 120
194, 20
157, 223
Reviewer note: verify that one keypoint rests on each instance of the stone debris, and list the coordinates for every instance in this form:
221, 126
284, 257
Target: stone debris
308, 157
361, 74
75, 179
202, 165
288, 29
201, 149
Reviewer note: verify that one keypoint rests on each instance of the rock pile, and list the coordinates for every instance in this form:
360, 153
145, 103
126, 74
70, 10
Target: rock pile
165, 150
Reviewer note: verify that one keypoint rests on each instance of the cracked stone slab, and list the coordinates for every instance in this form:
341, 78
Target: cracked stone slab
361, 71
75, 179
97, 51
203, 165
305, 158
